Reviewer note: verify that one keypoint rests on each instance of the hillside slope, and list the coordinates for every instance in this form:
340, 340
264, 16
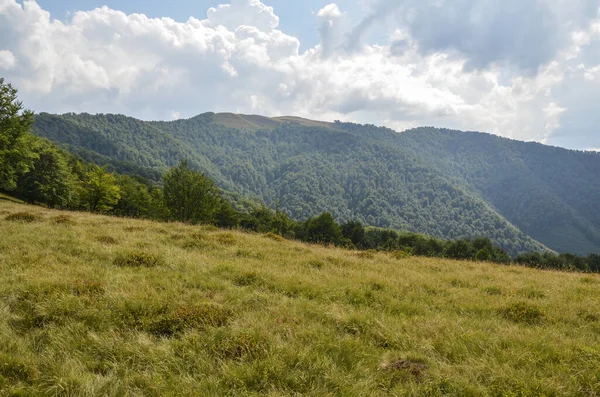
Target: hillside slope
419, 181
93, 305
550, 193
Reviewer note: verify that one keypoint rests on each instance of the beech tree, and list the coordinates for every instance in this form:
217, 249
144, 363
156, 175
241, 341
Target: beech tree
100, 192
16, 158
190, 196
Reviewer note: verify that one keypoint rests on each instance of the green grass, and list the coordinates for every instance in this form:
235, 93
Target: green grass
93, 305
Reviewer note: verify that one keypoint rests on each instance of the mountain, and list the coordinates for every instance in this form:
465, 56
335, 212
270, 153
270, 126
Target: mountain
449, 184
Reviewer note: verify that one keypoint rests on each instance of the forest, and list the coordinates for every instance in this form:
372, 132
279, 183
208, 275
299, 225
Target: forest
39, 172
451, 185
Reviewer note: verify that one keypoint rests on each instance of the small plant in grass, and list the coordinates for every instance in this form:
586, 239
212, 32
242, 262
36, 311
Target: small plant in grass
65, 220
274, 237
405, 368
238, 346
316, 264
522, 312
108, 240
175, 322
88, 287
492, 291
531, 293
246, 279
370, 254
400, 254
225, 238
24, 217
138, 259
15, 369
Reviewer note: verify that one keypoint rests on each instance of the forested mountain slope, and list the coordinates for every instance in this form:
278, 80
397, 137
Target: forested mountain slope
419, 181
550, 193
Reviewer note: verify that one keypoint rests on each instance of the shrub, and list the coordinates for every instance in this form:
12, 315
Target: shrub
138, 259
24, 217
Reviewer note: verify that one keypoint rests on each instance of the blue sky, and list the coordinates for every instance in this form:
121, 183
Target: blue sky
296, 16
523, 69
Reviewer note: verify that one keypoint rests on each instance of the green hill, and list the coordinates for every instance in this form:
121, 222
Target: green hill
447, 184
94, 305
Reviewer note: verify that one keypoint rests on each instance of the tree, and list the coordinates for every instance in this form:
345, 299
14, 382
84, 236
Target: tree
227, 217
323, 229
15, 139
50, 180
355, 232
136, 200
190, 196
99, 192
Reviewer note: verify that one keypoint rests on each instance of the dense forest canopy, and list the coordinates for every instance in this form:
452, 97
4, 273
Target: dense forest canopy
448, 184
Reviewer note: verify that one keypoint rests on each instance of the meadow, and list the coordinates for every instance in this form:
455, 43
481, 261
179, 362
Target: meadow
93, 305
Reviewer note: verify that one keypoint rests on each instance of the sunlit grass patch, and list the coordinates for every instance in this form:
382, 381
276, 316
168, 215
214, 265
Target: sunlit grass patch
110, 306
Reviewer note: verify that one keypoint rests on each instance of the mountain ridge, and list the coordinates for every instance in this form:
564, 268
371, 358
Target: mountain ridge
419, 180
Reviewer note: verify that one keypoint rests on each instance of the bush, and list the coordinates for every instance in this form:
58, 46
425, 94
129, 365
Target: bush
138, 259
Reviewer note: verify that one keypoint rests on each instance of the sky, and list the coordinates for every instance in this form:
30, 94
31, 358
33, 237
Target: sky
522, 69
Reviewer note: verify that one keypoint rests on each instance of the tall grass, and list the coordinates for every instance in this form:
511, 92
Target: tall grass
92, 305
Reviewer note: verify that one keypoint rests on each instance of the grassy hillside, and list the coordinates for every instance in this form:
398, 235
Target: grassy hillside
93, 305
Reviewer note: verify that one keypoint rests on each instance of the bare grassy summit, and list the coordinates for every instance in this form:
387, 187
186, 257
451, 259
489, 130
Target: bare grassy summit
93, 305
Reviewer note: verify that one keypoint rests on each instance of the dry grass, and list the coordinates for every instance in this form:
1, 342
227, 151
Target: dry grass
92, 305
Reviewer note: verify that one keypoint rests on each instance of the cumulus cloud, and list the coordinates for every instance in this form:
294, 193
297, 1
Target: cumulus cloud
236, 59
329, 17
7, 60
524, 33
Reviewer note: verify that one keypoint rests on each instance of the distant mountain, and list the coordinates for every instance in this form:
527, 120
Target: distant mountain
448, 184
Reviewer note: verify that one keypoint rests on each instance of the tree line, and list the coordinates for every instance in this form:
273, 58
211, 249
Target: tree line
39, 172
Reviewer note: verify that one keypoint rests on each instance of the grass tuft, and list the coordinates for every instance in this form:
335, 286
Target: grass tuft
523, 312
65, 220
23, 217
138, 259
108, 240
274, 237
175, 322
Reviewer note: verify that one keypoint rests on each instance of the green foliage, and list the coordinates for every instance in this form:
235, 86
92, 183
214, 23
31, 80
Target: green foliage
136, 199
50, 179
227, 217
190, 196
322, 229
99, 190
371, 175
16, 158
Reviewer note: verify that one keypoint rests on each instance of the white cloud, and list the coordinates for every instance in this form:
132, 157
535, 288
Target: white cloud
237, 60
7, 60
